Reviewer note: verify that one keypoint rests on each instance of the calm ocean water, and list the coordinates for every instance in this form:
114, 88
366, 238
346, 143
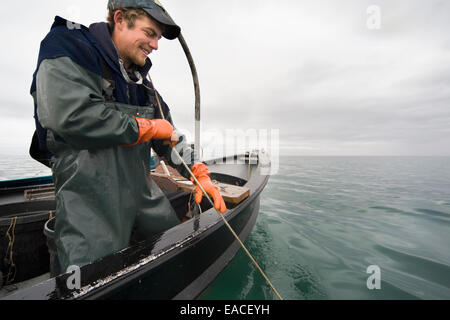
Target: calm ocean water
325, 220
19, 167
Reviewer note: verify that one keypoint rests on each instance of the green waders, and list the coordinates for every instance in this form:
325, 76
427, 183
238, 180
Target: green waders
103, 188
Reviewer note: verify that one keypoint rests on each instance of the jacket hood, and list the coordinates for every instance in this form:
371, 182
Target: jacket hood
101, 33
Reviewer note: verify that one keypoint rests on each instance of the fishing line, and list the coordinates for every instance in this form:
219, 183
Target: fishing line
211, 202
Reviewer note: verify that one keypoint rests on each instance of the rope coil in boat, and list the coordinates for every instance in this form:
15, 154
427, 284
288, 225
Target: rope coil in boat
12, 270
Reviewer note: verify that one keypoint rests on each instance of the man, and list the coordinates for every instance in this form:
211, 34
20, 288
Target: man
97, 118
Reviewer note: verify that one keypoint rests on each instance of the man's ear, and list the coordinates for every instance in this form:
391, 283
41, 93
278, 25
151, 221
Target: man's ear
119, 19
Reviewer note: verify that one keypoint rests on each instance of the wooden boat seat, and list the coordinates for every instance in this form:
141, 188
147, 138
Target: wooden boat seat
168, 178
41, 193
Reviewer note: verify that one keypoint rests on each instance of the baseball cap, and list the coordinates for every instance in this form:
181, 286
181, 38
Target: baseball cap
154, 9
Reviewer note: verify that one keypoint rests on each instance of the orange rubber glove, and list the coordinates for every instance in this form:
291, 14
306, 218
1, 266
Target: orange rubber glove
153, 129
201, 172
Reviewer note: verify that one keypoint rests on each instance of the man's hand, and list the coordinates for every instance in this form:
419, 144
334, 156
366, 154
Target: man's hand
201, 172
153, 129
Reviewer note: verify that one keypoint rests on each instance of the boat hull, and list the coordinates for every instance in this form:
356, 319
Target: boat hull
184, 273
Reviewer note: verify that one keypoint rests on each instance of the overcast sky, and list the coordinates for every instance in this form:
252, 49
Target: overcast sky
320, 72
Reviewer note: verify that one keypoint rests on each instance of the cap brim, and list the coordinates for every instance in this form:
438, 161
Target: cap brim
171, 31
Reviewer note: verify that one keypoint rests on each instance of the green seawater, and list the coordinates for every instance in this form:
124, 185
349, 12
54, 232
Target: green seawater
325, 220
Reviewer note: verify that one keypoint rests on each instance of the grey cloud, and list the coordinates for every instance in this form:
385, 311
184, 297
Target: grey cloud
311, 69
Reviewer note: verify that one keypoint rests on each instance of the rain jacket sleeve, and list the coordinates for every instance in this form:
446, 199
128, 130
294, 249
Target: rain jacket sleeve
183, 147
70, 103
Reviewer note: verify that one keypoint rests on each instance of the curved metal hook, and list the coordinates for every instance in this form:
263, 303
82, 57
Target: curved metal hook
197, 95
188, 54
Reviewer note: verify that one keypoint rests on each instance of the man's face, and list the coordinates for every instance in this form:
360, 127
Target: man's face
135, 44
